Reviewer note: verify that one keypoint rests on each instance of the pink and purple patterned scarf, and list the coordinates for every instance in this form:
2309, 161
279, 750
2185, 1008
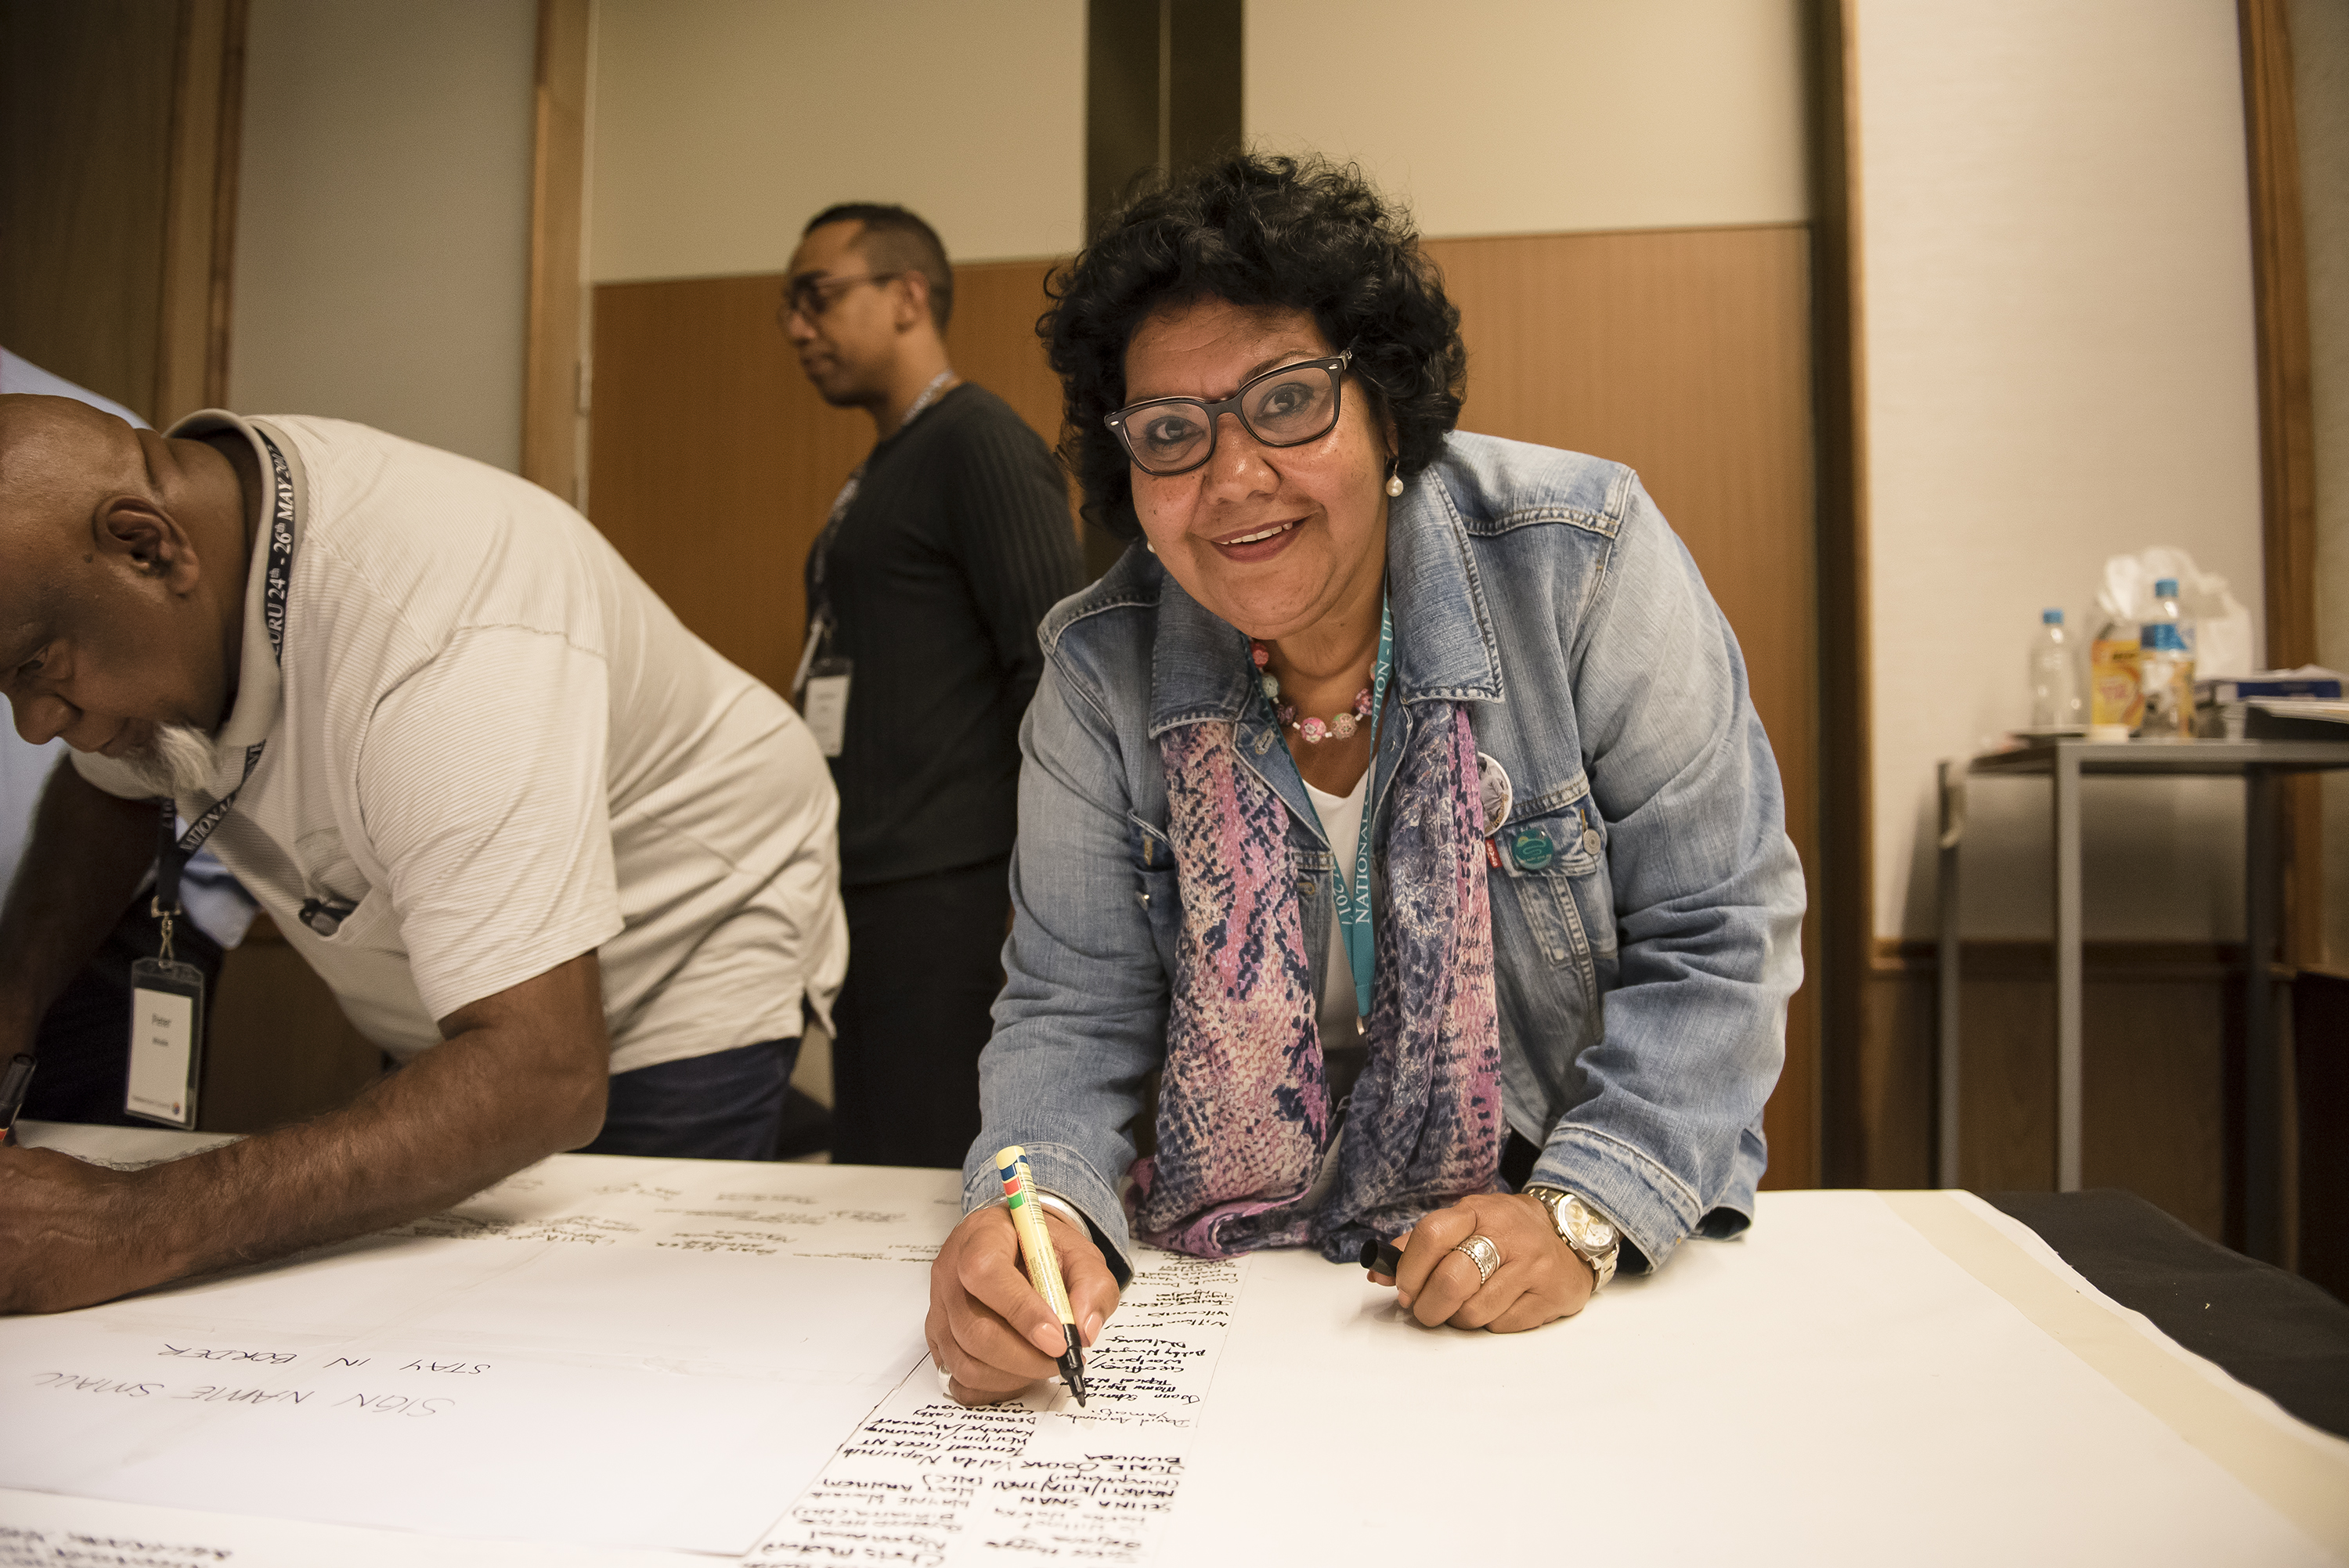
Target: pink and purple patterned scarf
1243, 1113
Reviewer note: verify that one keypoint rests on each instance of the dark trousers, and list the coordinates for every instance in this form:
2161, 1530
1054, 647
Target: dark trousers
925, 964
728, 1105
85, 1039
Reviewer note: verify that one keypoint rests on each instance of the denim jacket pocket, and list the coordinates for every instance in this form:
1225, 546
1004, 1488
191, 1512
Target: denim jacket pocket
1154, 887
1556, 864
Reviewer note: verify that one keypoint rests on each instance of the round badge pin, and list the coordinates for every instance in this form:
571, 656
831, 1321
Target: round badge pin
1532, 848
1493, 787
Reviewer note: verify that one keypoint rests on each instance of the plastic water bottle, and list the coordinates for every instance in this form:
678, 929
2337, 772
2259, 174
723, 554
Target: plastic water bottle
2166, 667
2054, 675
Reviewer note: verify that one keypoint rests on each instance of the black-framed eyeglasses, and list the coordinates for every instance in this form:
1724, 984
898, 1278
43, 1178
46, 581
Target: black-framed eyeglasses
811, 297
1284, 407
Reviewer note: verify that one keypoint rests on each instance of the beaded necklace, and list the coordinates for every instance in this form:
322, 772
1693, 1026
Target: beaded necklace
1315, 731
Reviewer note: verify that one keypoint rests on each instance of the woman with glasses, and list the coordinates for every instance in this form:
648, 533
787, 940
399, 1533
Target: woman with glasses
1399, 806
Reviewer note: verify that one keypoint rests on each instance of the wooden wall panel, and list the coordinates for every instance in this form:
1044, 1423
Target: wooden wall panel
118, 126
86, 95
1685, 353
712, 463
2162, 1027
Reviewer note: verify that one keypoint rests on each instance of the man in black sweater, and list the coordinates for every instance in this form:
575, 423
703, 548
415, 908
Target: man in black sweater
943, 551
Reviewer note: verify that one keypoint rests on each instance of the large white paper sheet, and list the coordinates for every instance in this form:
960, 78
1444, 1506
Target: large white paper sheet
1830, 1388
612, 1351
39, 1529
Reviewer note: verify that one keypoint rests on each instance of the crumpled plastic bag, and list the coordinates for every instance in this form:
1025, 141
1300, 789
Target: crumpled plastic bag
2222, 626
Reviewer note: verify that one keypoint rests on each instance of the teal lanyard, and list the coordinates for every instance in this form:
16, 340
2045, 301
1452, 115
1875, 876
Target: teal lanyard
1354, 898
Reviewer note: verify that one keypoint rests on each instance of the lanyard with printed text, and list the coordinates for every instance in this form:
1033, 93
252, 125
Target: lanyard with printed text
174, 849
1354, 897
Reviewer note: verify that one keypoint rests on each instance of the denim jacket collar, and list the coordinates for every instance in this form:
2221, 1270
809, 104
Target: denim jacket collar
1445, 644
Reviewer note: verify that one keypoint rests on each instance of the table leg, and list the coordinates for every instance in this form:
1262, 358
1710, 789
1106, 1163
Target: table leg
2262, 1074
1954, 827
2067, 967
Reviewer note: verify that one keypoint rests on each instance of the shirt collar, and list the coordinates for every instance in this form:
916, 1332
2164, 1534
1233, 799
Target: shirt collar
259, 683
1444, 646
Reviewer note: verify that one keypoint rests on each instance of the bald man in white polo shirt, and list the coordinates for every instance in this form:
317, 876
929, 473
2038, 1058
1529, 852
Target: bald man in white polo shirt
547, 848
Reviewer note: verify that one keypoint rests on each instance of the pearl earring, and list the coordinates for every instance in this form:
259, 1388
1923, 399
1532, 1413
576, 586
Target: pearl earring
1394, 481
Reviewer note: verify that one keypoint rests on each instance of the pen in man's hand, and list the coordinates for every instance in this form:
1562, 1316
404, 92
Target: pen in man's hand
1043, 1263
13, 1085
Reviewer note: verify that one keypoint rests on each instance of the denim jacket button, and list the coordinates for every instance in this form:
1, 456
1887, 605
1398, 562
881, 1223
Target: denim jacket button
1264, 742
1590, 840
1305, 887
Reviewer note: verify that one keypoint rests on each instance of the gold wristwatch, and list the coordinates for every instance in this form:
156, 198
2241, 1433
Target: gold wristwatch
1592, 1234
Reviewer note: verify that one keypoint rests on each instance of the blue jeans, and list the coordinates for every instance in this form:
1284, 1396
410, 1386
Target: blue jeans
728, 1105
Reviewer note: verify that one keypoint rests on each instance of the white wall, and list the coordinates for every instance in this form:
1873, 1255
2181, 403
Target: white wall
2060, 366
1495, 117
383, 217
2320, 49
722, 126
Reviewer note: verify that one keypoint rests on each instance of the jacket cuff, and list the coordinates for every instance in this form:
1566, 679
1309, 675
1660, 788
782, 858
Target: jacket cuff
1653, 1207
1068, 1176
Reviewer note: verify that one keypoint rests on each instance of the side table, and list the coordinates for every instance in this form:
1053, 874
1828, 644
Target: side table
2259, 763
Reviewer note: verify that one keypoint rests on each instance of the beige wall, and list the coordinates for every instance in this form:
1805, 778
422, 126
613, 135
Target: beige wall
2060, 367
383, 217
2320, 45
721, 125
1494, 117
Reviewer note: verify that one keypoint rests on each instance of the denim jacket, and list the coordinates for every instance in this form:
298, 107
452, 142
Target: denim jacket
1646, 904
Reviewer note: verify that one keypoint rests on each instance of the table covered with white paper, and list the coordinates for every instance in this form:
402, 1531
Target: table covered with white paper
608, 1361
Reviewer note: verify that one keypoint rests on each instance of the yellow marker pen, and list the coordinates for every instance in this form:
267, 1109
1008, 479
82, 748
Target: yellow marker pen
1043, 1263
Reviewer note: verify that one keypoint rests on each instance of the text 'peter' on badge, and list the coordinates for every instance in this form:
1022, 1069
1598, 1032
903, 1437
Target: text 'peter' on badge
167, 1041
823, 702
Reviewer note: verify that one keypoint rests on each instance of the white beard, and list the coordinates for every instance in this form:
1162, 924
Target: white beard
178, 761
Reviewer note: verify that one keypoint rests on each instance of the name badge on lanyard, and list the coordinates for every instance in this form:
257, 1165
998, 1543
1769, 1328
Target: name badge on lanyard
823, 702
167, 997
167, 1041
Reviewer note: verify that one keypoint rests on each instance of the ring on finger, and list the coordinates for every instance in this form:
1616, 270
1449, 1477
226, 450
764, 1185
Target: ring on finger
1479, 1250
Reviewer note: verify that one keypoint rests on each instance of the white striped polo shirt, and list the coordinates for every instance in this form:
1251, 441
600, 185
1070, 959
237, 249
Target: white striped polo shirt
498, 749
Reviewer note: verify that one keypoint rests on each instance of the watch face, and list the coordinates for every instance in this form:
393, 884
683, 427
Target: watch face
1587, 1227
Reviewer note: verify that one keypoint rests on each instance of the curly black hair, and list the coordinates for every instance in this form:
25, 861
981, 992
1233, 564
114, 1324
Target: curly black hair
1260, 231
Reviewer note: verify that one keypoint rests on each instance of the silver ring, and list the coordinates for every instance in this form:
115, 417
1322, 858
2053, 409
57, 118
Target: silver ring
1479, 1250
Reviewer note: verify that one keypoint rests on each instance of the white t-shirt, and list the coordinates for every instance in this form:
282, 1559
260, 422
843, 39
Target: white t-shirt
499, 749
1341, 819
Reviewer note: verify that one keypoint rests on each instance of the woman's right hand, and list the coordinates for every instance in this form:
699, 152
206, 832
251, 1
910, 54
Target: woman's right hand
989, 1331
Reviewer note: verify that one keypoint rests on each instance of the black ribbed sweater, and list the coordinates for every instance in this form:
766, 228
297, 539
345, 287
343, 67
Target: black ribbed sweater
957, 544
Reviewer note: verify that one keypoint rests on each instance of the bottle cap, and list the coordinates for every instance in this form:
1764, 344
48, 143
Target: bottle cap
2050, 617
2165, 588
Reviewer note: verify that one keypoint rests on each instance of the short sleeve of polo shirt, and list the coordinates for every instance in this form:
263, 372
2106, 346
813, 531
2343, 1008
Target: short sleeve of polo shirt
481, 785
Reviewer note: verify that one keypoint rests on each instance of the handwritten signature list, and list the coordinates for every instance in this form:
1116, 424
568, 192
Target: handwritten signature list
925, 1481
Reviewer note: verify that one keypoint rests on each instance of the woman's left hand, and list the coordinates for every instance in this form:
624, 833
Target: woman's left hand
1539, 1281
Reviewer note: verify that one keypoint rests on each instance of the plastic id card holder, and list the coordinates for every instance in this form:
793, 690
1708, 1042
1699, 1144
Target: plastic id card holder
167, 1041
823, 702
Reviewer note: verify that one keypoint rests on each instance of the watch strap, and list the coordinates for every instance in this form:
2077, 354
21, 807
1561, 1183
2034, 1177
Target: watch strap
1601, 1259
